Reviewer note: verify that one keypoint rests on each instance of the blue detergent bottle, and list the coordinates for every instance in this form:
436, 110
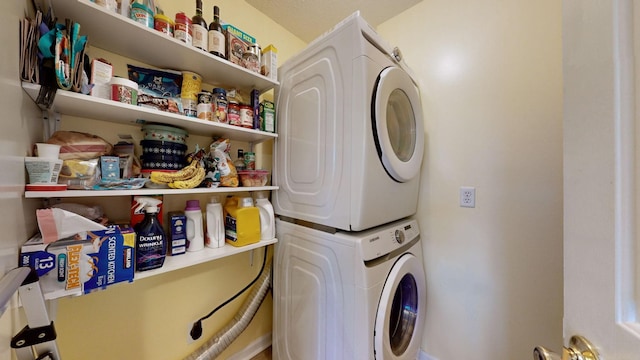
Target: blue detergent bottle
151, 244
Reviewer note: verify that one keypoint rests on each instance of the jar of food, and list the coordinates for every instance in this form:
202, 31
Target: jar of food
220, 105
251, 58
233, 113
163, 24
182, 29
246, 116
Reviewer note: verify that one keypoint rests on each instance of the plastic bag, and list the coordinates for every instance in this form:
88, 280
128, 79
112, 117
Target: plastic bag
219, 148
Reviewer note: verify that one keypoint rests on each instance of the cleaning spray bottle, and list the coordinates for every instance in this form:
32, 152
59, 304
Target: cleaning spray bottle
151, 244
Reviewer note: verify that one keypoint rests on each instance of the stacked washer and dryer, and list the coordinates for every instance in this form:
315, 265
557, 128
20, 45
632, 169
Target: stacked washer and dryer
349, 280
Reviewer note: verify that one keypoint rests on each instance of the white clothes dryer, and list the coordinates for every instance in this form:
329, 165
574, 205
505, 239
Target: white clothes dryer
350, 132
348, 295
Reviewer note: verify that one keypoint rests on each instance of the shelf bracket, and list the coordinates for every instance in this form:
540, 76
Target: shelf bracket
51, 123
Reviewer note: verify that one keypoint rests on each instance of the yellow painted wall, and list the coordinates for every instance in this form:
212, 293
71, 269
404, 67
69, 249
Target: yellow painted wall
151, 318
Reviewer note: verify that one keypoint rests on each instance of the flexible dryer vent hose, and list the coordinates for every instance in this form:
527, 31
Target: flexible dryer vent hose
220, 341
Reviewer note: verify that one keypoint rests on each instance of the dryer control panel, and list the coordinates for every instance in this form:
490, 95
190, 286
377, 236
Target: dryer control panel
385, 239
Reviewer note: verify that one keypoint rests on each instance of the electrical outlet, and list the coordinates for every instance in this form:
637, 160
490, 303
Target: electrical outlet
467, 196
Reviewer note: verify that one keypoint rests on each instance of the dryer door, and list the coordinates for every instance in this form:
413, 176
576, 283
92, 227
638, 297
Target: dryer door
398, 124
401, 311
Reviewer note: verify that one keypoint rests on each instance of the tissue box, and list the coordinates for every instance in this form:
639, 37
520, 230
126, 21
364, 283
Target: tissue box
72, 266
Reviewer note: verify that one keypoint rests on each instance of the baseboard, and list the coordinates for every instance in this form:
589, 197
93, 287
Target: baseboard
424, 356
253, 349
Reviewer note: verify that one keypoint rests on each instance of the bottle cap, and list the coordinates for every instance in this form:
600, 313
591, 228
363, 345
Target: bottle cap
193, 205
214, 200
246, 202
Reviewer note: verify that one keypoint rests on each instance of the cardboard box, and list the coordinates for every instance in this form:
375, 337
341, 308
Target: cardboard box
237, 43
177, 233
267, 116
75, 266
101, 74
110, 167
269, 62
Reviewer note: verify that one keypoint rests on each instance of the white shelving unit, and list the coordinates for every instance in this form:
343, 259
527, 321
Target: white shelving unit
173, 263
80, 105
115, 33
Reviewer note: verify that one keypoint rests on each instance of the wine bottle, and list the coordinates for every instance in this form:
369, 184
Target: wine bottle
216, 35
199, 28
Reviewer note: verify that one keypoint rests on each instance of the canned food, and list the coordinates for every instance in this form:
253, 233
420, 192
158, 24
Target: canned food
182, 29
189, 107
250, 160
204, 106
191, 85
246, 116
233, 113
220, 105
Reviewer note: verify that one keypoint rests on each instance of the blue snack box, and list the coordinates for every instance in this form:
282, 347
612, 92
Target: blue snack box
83, 263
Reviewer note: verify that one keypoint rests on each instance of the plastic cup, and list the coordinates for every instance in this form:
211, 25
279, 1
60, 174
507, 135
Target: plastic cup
49, 151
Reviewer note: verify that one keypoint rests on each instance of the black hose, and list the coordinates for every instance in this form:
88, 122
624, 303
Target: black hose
196, 330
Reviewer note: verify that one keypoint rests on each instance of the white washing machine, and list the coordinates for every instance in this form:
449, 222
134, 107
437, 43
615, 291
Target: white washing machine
350, 132
348, 295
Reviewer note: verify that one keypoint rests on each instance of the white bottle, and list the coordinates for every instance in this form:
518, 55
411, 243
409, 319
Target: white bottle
215, 224
195, 227
267, 216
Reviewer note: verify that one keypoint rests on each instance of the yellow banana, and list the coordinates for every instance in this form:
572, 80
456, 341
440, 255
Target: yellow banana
189, 183
187, 172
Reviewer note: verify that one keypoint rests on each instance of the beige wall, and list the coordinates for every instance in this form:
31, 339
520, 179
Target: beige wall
491, 77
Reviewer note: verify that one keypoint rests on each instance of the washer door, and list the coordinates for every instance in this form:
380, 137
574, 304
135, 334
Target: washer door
401, 311
397, 124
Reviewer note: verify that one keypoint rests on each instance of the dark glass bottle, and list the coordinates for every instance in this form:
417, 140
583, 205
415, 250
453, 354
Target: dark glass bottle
216, 35
199, 28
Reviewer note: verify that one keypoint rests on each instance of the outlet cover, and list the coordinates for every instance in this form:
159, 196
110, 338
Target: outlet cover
467, 196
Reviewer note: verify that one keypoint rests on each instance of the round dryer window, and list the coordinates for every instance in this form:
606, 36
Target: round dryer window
401, 311
397, 124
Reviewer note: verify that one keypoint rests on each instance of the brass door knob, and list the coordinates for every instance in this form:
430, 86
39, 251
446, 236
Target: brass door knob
579, 349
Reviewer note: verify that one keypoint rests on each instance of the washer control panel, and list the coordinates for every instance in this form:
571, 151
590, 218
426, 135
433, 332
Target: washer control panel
387, 238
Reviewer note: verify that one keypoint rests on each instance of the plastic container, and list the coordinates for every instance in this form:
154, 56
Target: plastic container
215, 224
124, 90
164, 133
253, 178
163, 24
195, 227
151, 240
43, 170
241, 222
142, 14
267, 216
